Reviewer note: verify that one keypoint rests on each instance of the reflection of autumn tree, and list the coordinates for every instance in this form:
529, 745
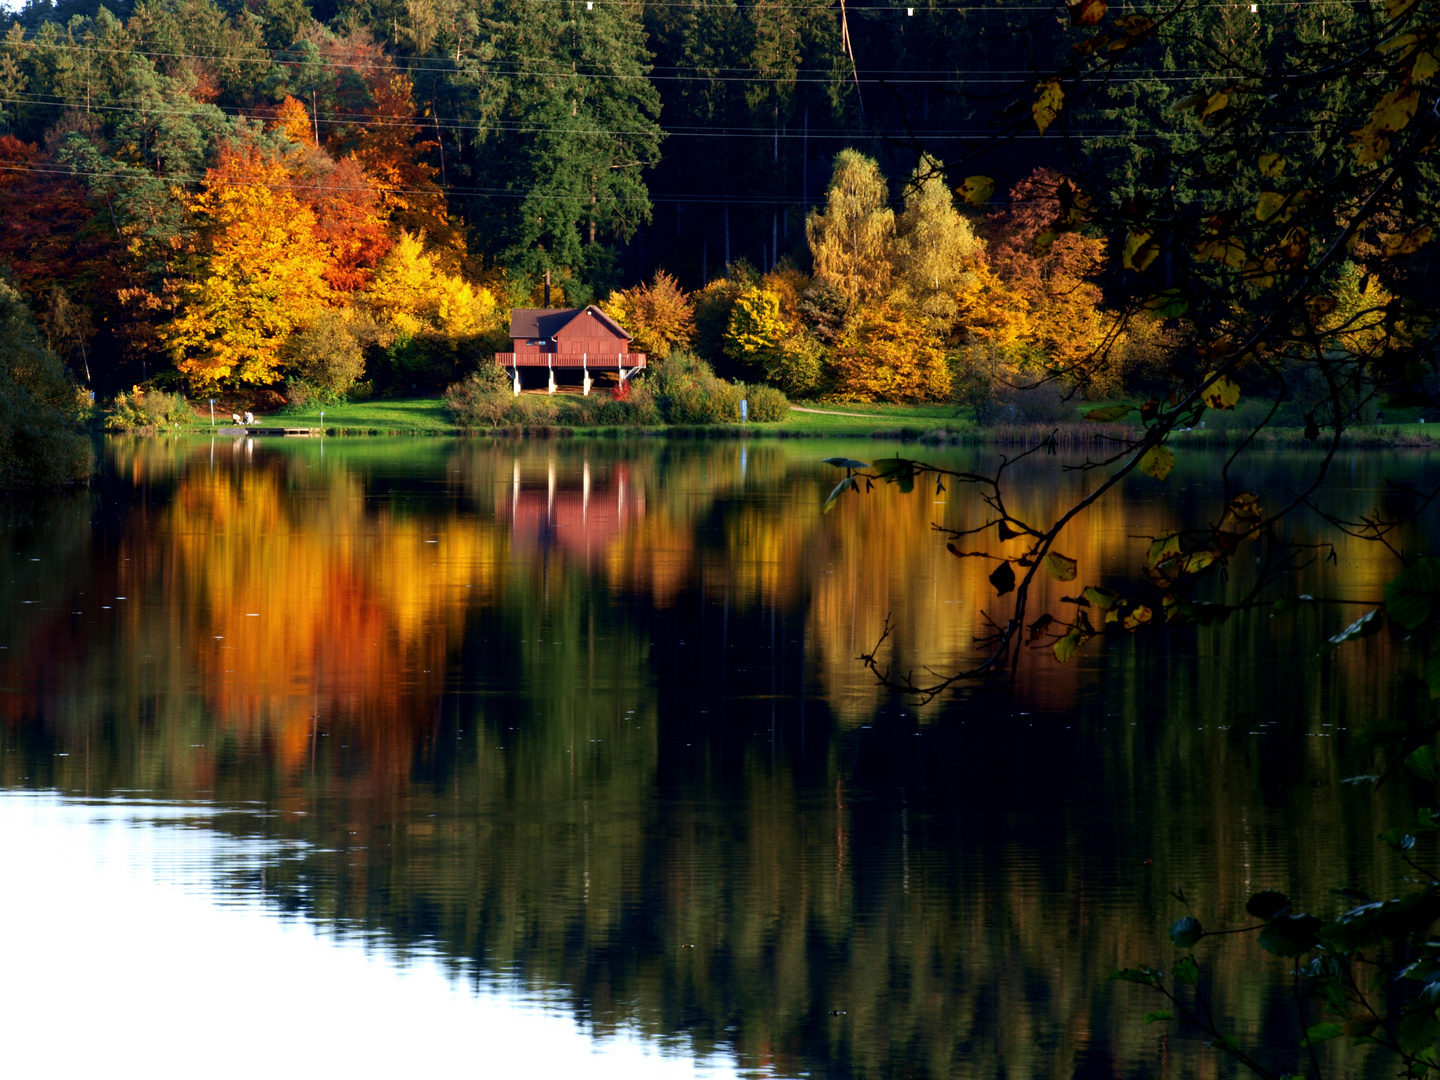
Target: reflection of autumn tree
519, 693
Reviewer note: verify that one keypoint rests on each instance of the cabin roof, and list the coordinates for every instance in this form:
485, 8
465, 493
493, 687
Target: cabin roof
547, 322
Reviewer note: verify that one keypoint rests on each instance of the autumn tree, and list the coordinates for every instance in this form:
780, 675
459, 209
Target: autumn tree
850, 241
256, 272
660, 315
888, 354
935, 248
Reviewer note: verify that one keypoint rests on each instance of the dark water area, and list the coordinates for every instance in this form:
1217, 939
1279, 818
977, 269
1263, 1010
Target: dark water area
582, 723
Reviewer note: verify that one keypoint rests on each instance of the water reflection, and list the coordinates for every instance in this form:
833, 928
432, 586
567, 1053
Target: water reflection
585, 717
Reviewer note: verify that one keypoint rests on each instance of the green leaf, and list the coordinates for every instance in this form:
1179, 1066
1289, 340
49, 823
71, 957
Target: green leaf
1107, 414
848, 484
1158, 1015
1375, 924
1103, 599
1186, 932
1290, 935
844, 462
1157, 462
1411, 597
1368, 625
1003, 578
1423, 763
1065, 648
1418, 1031
1223, 1042
1060, 567
1167, 304
1321, 1032
1186, 971
1267, 904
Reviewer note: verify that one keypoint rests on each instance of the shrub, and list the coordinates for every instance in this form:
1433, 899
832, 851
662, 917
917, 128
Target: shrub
688, 392
766, 405
147, 409
484, 399
327, 360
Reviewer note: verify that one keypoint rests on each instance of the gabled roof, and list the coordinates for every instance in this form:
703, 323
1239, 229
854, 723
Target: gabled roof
547, 322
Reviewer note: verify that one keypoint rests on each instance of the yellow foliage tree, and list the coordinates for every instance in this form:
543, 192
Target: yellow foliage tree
850, 241
411, 296
887, 354
257, 272
935, 248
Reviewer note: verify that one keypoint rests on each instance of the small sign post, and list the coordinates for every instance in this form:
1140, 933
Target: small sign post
744, 410
212, 412
322, 421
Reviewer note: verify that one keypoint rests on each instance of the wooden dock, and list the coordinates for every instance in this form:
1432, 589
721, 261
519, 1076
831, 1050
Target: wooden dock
292, 432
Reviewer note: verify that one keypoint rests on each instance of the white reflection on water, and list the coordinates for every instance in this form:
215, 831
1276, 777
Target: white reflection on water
122, 958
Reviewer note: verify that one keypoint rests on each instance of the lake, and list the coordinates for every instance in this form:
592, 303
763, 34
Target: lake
556, 757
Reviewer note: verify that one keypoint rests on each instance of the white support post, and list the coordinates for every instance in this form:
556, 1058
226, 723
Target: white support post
585, 367
516, 370
550, 369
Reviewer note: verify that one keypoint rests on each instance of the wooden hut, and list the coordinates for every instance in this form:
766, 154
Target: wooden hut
583, 339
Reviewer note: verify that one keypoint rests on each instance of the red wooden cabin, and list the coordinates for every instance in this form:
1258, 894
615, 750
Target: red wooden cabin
569, 338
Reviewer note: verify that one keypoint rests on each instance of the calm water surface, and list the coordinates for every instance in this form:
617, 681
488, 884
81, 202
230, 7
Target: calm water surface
555, 757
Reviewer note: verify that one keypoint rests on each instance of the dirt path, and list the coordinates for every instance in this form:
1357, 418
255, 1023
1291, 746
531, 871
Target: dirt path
832, 412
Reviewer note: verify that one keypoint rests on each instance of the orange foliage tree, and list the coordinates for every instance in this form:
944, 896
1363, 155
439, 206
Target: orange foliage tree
887, 354
256, 272
1055, 274
661, 317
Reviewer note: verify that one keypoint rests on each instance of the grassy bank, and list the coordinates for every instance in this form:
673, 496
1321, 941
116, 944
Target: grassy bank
926, 423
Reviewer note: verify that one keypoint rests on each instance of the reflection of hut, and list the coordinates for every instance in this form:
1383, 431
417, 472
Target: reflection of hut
580, 514
581, 339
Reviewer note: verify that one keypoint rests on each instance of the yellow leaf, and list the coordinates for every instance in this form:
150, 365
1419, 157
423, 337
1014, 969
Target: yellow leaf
1395, 8
1215, 102
1406, 243
1370, 146
1223, 393
1225, 250
1424, 67
1271, 165
976, 190
1138, 616
1048, 105
1282, 208
1060, 567
1393, 111
1270, 202
1087, 12
1399, 41
1157, 462
1140, 251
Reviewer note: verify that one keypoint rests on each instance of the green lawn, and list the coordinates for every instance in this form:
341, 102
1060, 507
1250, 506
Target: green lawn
404, 415
864, 419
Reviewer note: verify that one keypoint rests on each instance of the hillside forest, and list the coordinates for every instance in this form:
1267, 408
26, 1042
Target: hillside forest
276, 199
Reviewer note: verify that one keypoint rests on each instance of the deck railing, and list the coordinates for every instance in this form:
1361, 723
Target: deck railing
593, 361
